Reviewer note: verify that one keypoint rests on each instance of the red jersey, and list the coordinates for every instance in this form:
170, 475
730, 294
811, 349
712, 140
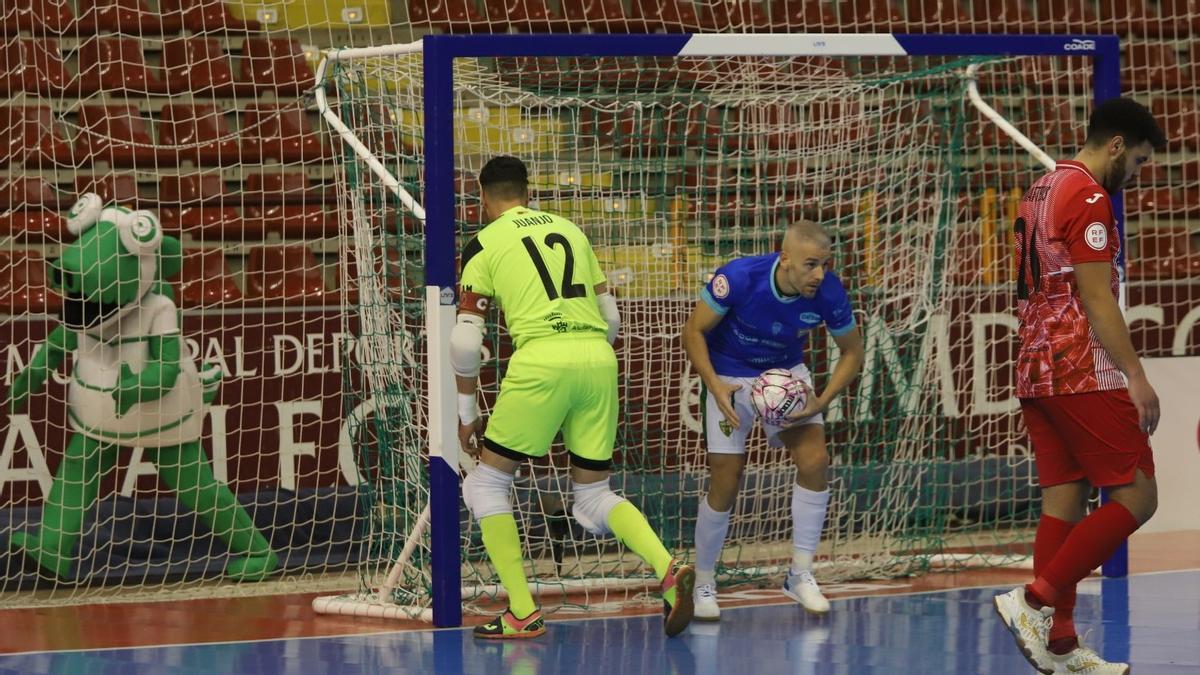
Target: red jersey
1065, 219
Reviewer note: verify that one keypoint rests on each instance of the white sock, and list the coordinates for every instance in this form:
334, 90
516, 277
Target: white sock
711, 528
808, 519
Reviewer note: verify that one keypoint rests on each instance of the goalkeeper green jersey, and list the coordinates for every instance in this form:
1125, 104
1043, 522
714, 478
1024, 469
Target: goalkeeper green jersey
541, 271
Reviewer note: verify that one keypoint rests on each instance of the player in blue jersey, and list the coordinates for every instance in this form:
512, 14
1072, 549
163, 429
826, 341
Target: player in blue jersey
756, 314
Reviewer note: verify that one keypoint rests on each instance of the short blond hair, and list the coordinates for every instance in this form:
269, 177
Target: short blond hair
806, 230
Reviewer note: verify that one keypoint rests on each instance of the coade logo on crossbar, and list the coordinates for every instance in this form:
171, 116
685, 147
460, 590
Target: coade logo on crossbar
1080, 46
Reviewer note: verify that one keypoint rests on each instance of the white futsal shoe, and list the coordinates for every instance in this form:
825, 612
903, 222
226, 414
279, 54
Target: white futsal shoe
803, 589
1084, 661
1030, 627
706, 605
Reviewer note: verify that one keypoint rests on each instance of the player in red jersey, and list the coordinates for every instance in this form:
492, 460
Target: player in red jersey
1085, 399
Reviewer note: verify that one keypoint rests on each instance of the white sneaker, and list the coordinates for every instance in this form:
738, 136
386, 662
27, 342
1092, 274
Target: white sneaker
1082, 660
705, 601
1030, 627
803, 589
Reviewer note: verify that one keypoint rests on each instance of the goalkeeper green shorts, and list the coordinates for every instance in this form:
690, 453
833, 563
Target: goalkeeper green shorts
558, 383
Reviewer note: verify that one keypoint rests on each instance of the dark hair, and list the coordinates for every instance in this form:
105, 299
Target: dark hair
1126, 118
505, 177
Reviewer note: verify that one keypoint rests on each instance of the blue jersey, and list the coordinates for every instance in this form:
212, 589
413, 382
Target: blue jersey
761, 329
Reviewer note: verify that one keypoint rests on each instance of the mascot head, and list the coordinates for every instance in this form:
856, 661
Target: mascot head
118, 256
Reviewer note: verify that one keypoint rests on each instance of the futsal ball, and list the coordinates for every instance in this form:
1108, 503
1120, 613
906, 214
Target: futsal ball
776, 394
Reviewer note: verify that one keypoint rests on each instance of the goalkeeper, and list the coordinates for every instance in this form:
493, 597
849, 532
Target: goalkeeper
541, 270
755, 314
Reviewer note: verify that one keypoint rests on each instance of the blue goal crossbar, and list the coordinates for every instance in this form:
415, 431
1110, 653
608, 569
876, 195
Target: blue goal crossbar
439, 52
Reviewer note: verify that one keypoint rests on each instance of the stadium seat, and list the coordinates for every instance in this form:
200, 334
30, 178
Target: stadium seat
937, 16
275, 64
287, 203
117, 135
1156, 202
671, 16
1002, 16
117, 65
1130, 17
1164, 252
455, 16
1065, 16
205, 279
281, 133
525, 16
23, 284
597, 16
205, 16
34, 66
37, 17
285, 274
131, 17
30, 210
1180, 18
31, 136
394, 274
199, 134
1057, 124
197, 203
112, 187
199, 65
815, 16
872, 15
747, 16
1152, 65
1180, 120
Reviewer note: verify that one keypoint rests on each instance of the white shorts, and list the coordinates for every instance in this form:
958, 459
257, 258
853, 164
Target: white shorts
724, 440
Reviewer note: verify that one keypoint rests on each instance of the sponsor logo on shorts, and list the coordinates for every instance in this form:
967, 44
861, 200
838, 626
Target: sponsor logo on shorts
1096, 236
720, 286
1078, 45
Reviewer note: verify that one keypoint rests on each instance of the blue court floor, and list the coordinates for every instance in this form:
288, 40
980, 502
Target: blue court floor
1150, 620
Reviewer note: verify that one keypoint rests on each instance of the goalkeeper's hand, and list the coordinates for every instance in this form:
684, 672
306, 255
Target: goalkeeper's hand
470, 436
813, 405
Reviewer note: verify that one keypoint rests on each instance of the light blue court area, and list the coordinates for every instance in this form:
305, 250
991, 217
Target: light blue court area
1151, 620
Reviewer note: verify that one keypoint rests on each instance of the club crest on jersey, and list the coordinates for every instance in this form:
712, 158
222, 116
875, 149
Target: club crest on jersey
1096, 236
776, 328
720, 285
726, 427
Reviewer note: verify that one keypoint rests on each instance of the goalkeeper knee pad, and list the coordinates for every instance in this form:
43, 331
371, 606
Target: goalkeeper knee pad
593, 503
486, 491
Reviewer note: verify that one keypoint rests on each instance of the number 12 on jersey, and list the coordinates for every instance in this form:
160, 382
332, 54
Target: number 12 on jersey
569, 289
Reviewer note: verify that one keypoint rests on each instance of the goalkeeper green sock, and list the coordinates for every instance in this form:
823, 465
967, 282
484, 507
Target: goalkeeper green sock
631, 528
504, 549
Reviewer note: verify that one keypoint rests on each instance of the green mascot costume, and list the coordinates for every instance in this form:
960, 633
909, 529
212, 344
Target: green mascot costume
132, 384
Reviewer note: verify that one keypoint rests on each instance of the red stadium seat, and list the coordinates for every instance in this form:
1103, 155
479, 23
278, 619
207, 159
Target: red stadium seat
597, 16
1152, 64
288, 204
671, 16
873, 15
1155, 202
803, 16
38, 17
456, 16
198, 203
116, 135
205, 279
30, 136
32, 65
1164, 252
276, 64
1180, 18
117, 65
205, 16
31, 210
23, 284
1002, 16
112, 187
1057, 124
1180, 120
285, 274
937, 16
745, 16
131, 17
526, 16
394, 273
199, 134
1065, 16
199, 65
281, 133
1126, 17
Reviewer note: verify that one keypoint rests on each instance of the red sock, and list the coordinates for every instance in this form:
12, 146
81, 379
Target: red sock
1090, 543
1051, 534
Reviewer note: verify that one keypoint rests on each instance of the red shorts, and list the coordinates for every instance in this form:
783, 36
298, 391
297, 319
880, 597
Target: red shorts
1094, 435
